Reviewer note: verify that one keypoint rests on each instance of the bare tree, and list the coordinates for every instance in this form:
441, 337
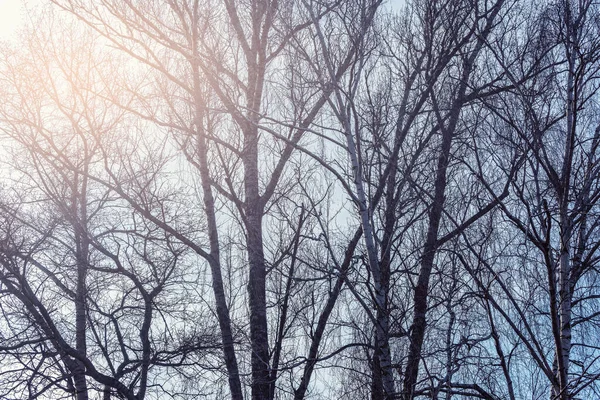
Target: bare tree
90, 289
270, 198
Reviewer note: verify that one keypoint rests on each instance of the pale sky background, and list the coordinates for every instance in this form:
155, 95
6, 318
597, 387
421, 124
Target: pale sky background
11, 17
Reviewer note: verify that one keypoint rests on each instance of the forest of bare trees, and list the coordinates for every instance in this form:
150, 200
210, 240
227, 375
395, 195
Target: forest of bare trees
301, 199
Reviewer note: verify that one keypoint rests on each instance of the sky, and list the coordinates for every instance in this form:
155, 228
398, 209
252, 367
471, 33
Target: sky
10, 17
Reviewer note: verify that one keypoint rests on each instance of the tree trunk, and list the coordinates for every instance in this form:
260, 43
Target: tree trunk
222, 310
417, 331
382, 342
79, 222
257, 272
